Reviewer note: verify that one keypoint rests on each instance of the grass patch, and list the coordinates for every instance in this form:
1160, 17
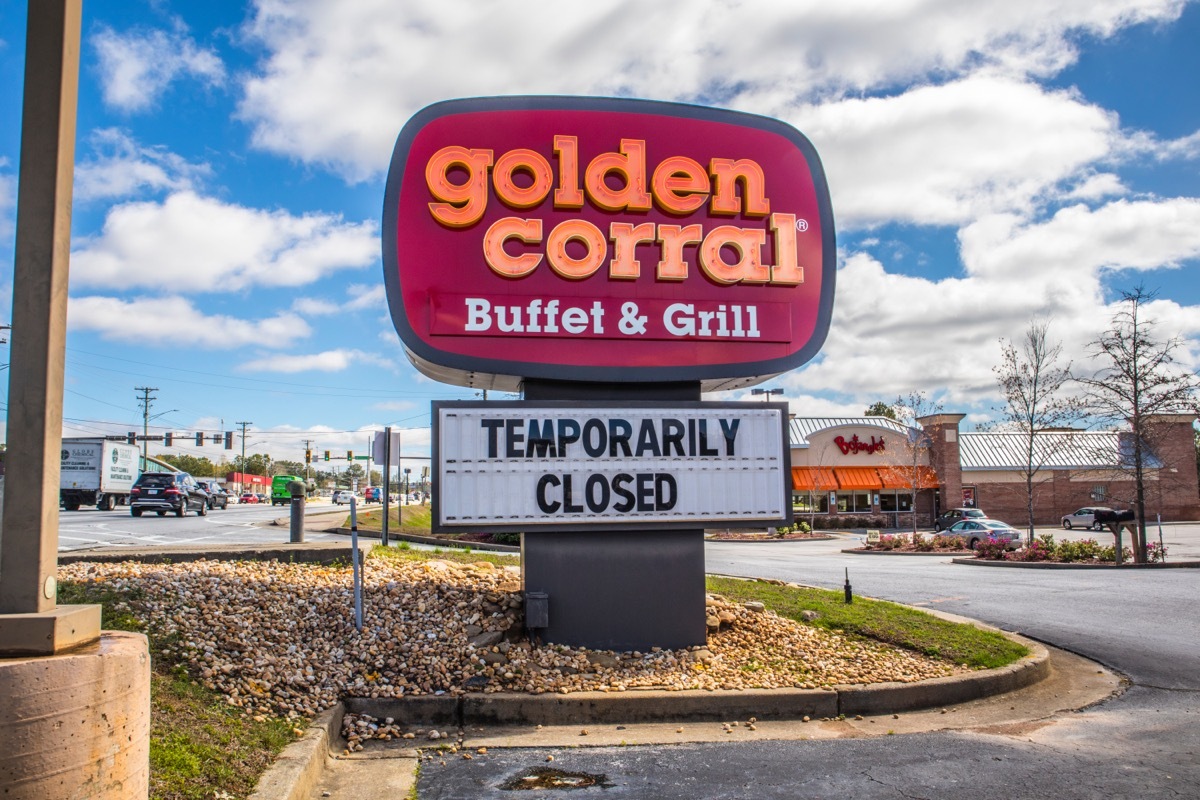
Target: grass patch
401, 519
463, 557
877, 619
200, 747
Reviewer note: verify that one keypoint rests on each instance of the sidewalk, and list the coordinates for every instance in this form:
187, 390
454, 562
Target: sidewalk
388, 769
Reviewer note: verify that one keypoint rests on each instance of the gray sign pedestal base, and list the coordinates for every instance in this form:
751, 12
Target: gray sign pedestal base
618, 590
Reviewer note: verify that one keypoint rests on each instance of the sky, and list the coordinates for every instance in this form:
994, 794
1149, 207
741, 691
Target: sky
991, 164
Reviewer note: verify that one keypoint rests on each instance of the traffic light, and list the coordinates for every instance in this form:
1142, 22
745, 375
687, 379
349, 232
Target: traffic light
228, 440
199, 440
131, 437
308, 456
167, 438
326, 455
349, 455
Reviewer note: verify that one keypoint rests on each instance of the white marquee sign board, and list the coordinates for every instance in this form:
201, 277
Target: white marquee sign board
543, 465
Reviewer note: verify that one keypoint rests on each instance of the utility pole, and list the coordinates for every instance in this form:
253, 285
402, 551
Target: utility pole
242, 471
308, 443
145, 401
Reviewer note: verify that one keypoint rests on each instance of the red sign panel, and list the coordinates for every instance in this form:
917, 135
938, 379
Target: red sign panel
606, 240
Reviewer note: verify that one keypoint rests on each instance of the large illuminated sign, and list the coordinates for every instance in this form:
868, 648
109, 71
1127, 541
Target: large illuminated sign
527, 465
605, 240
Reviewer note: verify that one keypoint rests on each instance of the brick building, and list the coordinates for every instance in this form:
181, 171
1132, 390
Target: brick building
874, 465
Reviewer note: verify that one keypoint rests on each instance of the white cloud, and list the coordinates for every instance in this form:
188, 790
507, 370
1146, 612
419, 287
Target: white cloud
168, 321
121, 167
340, 80
328, 361
137, 66
362, 296
173, 245
945, 154
1078, 242
1015, 272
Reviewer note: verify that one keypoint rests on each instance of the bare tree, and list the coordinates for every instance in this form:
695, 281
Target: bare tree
1031, 379
913, 453
1138, 379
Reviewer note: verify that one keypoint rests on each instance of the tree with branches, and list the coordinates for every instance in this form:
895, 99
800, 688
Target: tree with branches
1031, 378
912, 456
1138, 379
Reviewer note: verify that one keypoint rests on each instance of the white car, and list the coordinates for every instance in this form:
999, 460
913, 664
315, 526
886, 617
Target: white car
342, 496
1084, 518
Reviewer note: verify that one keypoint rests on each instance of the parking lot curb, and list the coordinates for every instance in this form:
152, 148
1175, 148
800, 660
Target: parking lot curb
862, 552
301, 765
298, 769
983, 562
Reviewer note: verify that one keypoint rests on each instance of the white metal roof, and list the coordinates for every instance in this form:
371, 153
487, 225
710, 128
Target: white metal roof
1051, 450
803, 427
1004, 451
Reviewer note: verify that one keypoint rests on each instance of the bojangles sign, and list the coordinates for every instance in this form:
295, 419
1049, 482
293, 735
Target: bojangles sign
589, 239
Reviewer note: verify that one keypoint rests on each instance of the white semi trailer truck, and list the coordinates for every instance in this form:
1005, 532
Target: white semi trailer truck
97, 472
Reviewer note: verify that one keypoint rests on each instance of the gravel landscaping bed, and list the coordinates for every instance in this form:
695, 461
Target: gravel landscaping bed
278, 639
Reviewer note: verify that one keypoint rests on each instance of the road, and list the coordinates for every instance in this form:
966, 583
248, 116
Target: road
1143, 744
239, 524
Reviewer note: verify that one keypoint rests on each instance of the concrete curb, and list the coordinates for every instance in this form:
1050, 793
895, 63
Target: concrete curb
861, 552
298, 770
768, 541
300, 767
316, 553
981, 562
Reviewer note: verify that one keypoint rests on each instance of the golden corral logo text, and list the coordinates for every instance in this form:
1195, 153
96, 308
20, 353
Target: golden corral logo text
459, 178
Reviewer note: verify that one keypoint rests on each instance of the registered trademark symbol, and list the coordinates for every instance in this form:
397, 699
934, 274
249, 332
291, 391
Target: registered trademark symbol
802, 225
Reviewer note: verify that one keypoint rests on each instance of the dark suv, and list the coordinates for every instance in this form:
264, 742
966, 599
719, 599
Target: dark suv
217, 496
161, 492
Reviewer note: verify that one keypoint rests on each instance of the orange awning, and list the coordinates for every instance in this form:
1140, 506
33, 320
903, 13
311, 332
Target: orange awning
857, 478
813, 479
908, 477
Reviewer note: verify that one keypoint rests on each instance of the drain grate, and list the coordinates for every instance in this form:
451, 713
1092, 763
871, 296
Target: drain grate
543, 778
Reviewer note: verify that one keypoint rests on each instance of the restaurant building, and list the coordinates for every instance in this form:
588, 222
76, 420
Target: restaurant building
845, 467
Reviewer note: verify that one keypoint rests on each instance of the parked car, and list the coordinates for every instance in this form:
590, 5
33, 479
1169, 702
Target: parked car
249, 497
217, 496
1084, 518
954, 515
974, 531
262, 498
342, 496
161, 492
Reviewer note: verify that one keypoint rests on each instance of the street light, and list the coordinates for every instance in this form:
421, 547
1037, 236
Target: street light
146, 431
767, 393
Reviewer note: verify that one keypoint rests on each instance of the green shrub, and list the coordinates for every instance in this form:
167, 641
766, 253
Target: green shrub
1082, 550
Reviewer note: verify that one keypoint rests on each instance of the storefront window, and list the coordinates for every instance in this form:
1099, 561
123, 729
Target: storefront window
854, 502
810, 502
895, 501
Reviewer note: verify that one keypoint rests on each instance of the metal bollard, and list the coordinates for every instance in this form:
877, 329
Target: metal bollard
296, 489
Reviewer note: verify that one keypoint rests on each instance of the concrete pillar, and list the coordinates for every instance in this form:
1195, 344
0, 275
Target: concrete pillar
944, 457
77, 724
